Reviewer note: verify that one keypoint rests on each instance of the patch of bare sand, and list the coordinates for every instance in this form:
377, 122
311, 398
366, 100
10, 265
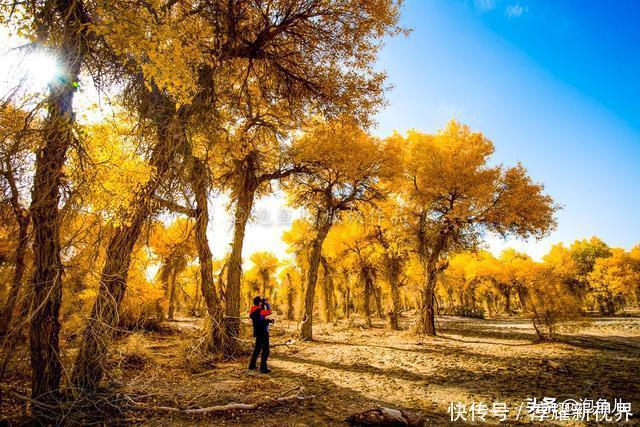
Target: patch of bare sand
354, 368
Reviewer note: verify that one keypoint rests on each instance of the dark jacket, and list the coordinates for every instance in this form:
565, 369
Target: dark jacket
258, 316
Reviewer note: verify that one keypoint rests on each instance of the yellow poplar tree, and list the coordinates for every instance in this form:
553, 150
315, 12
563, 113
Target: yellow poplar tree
454, 195
343, 165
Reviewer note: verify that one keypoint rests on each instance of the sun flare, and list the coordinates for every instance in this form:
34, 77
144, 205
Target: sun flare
40, 68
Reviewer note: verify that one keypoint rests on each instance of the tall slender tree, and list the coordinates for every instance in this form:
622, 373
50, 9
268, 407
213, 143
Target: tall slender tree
343, 165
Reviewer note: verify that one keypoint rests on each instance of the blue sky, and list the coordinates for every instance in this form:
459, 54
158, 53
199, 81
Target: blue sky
554, 84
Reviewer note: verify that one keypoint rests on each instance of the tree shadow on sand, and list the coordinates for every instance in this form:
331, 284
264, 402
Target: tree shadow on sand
509, 377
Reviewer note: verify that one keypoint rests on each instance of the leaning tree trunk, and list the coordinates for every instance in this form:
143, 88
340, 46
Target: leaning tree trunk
393, 272
248, 183
89, 363
58, 137
306, 327
215, 327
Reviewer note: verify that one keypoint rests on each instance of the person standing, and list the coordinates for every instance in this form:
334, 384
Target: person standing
259, 313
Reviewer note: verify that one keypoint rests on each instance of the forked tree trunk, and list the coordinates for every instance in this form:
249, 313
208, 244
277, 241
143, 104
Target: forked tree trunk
247, 185
306, 327
214, 324
58, 136
89, 363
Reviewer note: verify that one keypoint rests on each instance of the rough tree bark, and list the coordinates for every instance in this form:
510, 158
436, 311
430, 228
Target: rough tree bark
327, 290
172, 294
306, 327
22, 219
506, 292
347, 293
367, 277
267, 290
393, 273
215, 328
426, 320
289, 298
377, 294
58, 137
522, 296
88, 368
245, 192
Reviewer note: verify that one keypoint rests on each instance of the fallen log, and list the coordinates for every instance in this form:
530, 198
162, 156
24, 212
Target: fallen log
382, 416
231, 406
221, 408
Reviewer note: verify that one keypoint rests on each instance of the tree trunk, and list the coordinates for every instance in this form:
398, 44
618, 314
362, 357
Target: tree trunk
247, 185
172, 294
58, 136
377, 293
489, 304
522, 297
88, 368
290, 298
367, 276
393, 271
347, 303
306, 328
214, 324
507, 300
426, 321
266, 289
16, 285
327, 290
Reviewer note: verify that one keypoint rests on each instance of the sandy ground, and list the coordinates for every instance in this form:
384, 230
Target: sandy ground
350, 368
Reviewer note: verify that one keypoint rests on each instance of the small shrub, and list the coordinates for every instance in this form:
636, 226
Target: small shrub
551, 304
